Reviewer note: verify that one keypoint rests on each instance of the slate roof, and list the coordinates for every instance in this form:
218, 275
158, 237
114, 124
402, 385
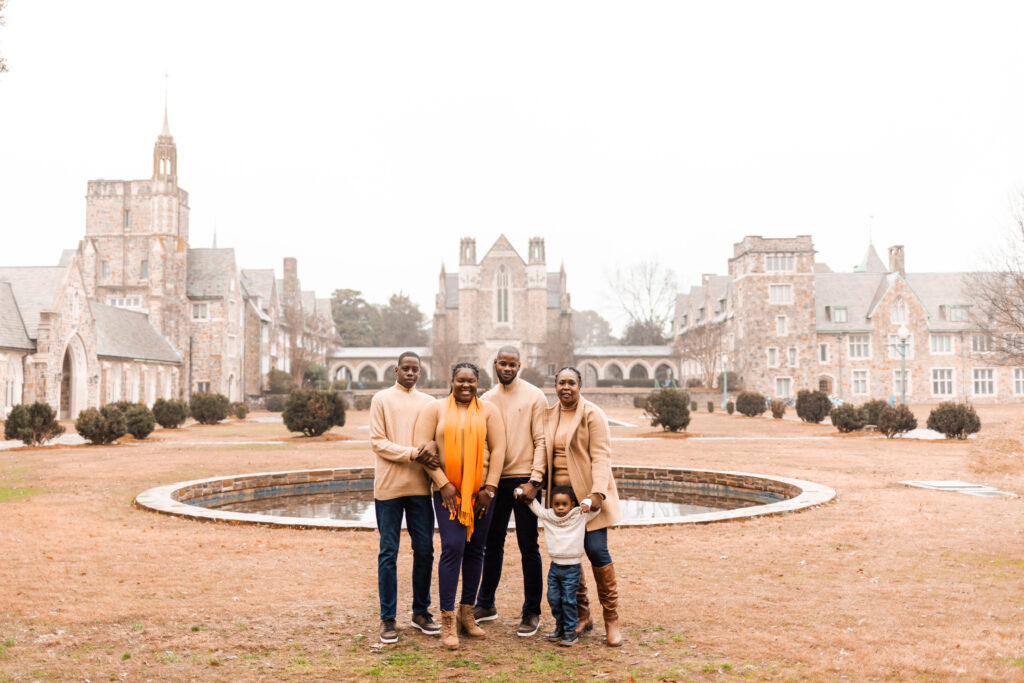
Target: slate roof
209, 271
872, 263
35, 289
121, 333
554, 290
855, 291
451, 290
12, 329
935, 290
625, 351
66, 256
259, 282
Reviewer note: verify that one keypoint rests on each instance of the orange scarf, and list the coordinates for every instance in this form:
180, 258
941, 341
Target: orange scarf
464, 457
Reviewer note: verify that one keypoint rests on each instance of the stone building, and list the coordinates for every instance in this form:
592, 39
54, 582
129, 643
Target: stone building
783, 322
502, 299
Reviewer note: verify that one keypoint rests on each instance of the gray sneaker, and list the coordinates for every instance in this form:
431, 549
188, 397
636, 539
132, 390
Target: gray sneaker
529, 625
484, 613
388, 632
426, 623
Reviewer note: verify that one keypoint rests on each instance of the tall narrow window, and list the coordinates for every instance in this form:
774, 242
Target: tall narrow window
501, 304
144, 270
899, 311
127, 220
104, 270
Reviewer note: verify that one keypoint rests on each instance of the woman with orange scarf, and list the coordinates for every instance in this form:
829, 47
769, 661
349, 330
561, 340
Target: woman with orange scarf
469, 437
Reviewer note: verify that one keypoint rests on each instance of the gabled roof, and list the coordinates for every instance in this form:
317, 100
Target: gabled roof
209, 272
12, 329
66, 256
854, 291
502, 244
121, 333
35, 289
935, 290
259, 282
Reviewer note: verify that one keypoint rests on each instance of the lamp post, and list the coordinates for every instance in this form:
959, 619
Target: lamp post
725, 380
903, 333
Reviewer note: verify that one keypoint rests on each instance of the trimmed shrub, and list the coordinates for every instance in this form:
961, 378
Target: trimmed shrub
314, 374
275, 403
102, 426
361, 402
812, 406
954, 420
847, 418
898, 420
693, 406
209, 409
667, 409
711, 406
240, 410
872, 409
32, 424
533, 376
313, 412
694, 382
139, 421
778, 408
640, 400
731, 379
750, 403
730, 407
280, 382
170, 414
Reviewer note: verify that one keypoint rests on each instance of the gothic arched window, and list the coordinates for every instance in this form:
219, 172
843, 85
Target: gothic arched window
501, 289
899, 311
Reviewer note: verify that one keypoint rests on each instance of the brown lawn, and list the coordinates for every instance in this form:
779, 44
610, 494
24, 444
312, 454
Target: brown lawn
886, 582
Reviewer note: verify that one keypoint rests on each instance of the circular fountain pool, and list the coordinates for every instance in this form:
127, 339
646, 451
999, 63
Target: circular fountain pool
342, 498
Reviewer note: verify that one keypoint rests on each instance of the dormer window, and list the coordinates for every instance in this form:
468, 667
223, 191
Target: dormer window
839, 314
958, 314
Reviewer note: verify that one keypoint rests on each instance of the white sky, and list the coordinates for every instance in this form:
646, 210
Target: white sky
367, 138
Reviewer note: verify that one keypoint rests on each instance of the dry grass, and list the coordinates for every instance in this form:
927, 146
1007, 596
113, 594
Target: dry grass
884, 583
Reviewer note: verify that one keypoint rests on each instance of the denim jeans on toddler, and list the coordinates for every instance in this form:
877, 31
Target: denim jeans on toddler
563, 582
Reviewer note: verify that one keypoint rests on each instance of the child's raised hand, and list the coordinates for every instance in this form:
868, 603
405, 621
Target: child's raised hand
585, 505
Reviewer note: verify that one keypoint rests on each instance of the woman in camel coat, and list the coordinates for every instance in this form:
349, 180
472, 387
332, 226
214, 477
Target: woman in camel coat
579, 455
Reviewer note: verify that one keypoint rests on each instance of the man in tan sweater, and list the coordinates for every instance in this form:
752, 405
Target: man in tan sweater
523, 408
401, 487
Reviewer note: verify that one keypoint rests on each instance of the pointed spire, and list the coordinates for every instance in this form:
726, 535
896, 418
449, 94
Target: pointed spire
215, 237
166, 132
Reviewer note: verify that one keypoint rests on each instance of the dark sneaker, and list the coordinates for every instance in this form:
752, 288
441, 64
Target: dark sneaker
556, 635
569, 639
529, 625
484, 613
388, 632
426, 623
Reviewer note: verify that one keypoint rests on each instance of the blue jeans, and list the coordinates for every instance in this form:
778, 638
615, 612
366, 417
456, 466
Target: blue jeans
419, 521
459, 556
595, 543
505, 505
563, 582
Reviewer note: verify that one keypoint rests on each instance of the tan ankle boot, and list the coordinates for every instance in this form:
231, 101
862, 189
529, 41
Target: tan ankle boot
583, 621
608, 594
449, 631
467, 623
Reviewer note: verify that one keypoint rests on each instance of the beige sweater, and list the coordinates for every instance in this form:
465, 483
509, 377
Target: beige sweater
523, 408
563, 535
430, 426
393, 415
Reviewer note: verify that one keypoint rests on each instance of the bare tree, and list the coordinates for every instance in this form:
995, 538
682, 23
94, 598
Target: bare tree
646, 292
702, 344
998, 297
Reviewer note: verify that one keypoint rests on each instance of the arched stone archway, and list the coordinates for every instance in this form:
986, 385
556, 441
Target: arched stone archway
367, 374
613, 371
589, 375
74, 392
664, 372
639, 371
14, 384
389, 373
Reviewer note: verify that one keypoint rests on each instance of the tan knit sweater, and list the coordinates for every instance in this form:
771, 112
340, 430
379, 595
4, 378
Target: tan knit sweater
430, 426
393, 414
523, 408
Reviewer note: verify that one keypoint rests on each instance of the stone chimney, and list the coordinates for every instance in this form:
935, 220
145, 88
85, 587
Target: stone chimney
292, 303
897, 263
536, 255
467, 252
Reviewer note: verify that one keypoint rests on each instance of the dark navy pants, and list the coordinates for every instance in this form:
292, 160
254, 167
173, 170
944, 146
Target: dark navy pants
563, 582
505, 505
459, 556
419, 520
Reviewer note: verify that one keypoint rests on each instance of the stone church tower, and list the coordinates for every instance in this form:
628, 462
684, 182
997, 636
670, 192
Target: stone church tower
135, 250
502, 299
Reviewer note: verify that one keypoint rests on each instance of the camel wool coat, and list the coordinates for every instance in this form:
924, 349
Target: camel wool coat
589, 459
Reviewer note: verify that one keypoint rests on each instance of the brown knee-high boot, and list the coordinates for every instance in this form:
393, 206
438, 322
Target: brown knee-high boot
583, 621
608, 594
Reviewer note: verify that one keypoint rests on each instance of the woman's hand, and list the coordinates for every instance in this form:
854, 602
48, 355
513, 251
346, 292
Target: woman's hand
428, 455
596, 499
450, 497
482, 501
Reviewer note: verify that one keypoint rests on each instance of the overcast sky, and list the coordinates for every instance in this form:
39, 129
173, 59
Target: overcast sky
367, 138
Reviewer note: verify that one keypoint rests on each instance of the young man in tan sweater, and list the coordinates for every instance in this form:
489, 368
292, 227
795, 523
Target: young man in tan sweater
401, 486
523, 408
